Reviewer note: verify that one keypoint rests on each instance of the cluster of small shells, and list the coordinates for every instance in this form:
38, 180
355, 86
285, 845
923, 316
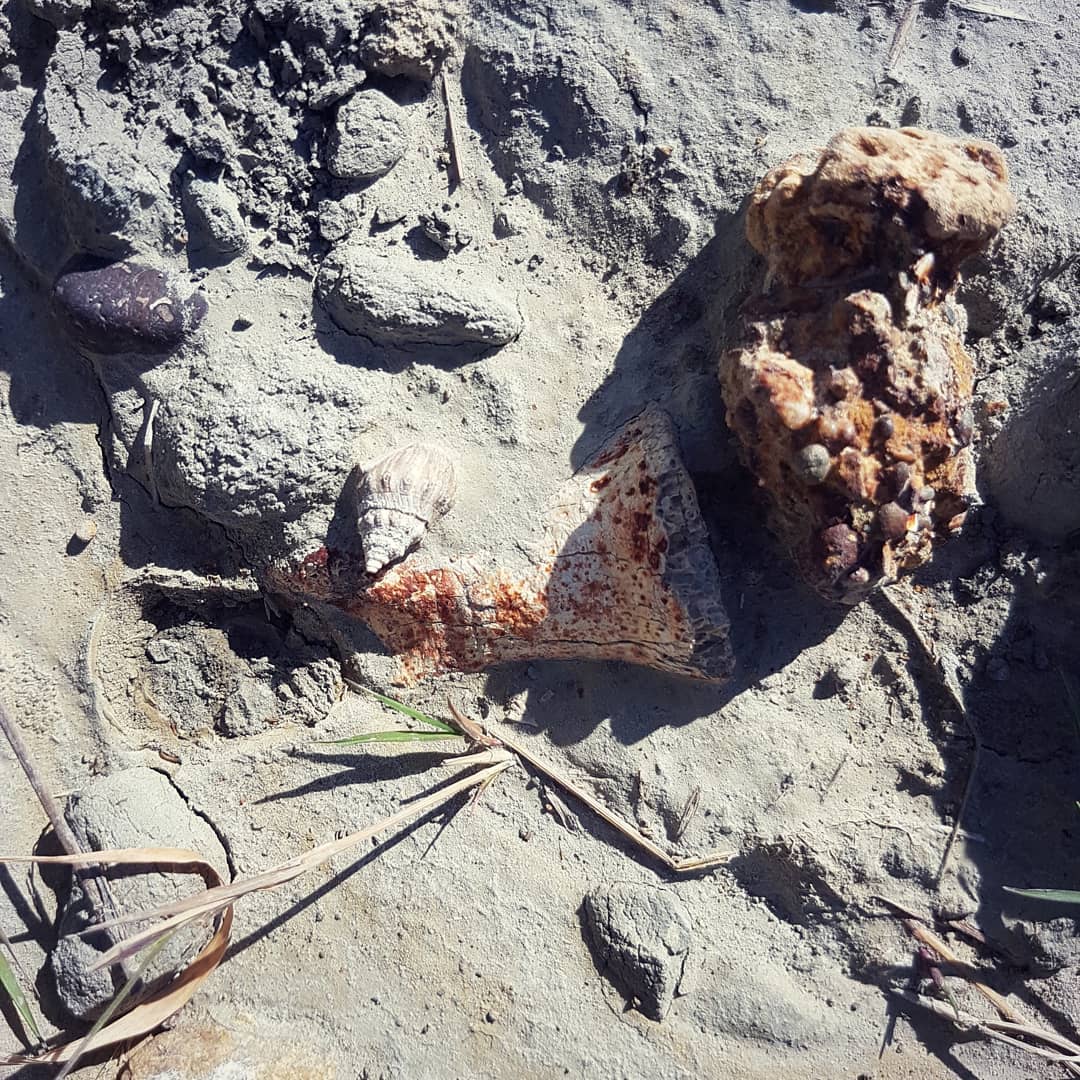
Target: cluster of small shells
850, 394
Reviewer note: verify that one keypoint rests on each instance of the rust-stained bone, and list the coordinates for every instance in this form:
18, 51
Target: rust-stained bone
851, 392
626, 573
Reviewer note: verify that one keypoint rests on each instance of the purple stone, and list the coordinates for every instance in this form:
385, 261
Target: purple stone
126, 307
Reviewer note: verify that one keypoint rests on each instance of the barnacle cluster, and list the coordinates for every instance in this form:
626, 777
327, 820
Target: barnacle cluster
850, 393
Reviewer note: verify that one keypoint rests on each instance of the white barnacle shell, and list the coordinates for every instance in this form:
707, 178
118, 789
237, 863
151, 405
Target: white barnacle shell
398, 497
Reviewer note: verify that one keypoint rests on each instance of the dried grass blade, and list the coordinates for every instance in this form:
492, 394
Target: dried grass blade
976, 8
1067, 1053
179, 858
200, 903
139, 941
1010, 1015
390, 737
155, 1010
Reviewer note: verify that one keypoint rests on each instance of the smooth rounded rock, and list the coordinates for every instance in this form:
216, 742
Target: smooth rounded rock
368, 138
402, 301
125, 307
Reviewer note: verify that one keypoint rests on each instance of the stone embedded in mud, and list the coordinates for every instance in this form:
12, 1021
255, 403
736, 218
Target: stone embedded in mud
640, 936
410, 39
213, 217
104, 177
405, 301
368, 137
137, 807
126, 307
625, 573
258, 451
851, 392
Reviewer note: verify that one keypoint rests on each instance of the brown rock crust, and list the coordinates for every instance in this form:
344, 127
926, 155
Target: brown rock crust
850, 393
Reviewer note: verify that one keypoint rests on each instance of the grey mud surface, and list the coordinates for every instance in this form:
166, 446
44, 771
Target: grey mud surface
590, 260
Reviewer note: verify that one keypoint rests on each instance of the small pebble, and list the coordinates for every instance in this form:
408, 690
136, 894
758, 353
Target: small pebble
368, 137
86, 530
813, 463
893, 519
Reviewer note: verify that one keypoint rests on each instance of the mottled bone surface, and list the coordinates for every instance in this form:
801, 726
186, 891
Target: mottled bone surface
850, 393
626, 573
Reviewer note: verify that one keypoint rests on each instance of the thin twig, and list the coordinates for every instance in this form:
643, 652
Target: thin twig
679, 866
1067, 1054
451, 131
907, 22
51, 807
926, 936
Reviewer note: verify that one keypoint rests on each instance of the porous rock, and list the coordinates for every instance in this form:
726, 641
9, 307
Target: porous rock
403, 300
254, 452
126, 307
368, 137
878, 199
110, 199
851, 392
213, 217
640, 936
411, 39
133, 808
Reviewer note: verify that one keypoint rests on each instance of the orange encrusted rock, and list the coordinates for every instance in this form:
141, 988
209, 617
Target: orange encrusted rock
876, 199
850, 393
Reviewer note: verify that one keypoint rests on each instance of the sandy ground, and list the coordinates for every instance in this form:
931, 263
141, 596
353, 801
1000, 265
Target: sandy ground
605, 153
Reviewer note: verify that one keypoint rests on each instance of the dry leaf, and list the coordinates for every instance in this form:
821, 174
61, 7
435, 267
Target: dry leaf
156, 1009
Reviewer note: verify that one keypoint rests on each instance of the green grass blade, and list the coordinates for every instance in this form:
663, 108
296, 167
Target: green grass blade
392, 736
14, 991
415, 714
1059, 896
